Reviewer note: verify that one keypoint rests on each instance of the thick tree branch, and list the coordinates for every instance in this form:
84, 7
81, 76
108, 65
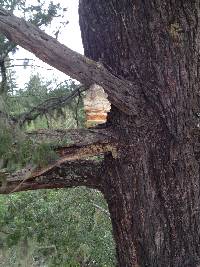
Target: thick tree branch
69, 174
76, 147
124, 94
74, 137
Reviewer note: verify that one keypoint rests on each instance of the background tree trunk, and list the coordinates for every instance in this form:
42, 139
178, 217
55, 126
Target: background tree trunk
152, 189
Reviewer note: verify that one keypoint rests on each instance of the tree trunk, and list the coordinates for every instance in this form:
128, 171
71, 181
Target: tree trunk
152, 189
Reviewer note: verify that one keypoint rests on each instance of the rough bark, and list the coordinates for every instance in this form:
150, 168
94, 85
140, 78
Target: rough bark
74, 137
68, 174
153, 188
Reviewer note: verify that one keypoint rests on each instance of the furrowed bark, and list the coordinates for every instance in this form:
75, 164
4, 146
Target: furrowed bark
74, 137
69, 174
153, 189
73, 64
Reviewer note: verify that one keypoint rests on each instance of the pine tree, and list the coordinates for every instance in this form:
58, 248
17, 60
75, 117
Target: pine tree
145, 54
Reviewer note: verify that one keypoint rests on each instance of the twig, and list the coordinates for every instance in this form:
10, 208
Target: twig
46, 106
106, 212
76, 111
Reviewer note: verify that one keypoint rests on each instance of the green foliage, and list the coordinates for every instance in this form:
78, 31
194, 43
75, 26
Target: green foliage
42, 15
36, 92
61, 227
43, 155
16, 152
6, 140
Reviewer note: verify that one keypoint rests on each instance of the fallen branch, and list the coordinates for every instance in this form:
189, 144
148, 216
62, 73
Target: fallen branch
75, 146
69, 174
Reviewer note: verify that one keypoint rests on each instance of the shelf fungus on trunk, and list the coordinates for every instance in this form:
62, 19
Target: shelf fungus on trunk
96, 105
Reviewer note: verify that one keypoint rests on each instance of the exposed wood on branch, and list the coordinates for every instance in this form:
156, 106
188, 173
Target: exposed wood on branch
75, 146
69, 174
78, 145
124, 94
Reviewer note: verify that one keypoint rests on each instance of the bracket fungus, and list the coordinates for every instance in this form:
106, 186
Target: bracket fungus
96, 105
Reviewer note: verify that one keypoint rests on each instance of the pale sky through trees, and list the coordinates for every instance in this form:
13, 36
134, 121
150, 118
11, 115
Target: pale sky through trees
70, 36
